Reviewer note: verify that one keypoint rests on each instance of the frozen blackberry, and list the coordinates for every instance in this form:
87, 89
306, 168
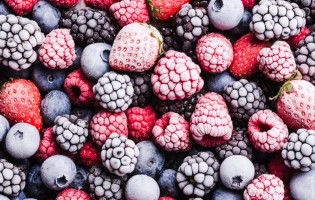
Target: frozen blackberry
104, 186
200, 3
277, 19
260, 169
114, 91
170, 39
89, 26
71, 132
198, 174
12, 179
305, 57
18, 38
184, 107
309, 8
244, 99
239, 144
142, 87
299, 152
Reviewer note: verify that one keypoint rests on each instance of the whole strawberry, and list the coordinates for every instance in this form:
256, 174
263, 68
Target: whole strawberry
20, 102
136, 48
165, 9
296, 104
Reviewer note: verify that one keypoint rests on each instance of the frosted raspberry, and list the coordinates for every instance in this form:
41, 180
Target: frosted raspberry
248, 3
176, 76
211, 124
295, 40
130, 11
79, 89
63, 3
171, 132
105, 123
215, 53
21, 7
277, 62
100, 4
277, 167
267, 131
265, 187
72, 194
166, 198
90, 155
287, 194
57, 51
140, 123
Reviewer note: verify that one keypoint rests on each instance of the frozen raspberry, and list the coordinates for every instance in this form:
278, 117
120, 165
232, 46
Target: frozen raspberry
63, 3
166, 198
90, 155
267, 131
57, 51
176, 76
130, 11
295, 40
215, 53
277, 167
277, 62
287, 194
265, 187
100, 4
72, 194
79, 89
211, 124
21, 7
140, 123
105, 123
248, 3
171, 132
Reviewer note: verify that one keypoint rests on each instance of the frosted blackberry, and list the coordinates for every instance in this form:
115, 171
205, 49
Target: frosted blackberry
239, 144
119, 154
244, 99
18, 38
200, 3
12, 179
71, 132
114, 91
309, 8
260, 169
170, 40
89, 26
198, 174
299, 151
305, 58
142, 89
184, 107
104, 186
277, 19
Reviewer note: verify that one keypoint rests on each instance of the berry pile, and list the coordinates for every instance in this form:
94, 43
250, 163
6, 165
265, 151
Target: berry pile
157, 99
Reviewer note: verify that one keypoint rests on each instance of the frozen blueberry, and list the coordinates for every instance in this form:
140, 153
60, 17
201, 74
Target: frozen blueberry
55, 103
21, 196
150, 160
11, 73
2, 197
46, 16
223, 193
77, 62
168, 184
142, 187
243, 27
58, 172
302, 185
83, 113
22, 141
217, 82
34, 184
80, 180
4, 10
94, 60
4, 127
46, 79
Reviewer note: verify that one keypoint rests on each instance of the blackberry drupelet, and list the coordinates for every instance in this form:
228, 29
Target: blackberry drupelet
170, 39
260, 169
309, 8
142, 87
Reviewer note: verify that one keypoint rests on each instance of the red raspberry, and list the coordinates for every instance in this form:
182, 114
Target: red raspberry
63, 3
267, 131
176, 76
265, 187
79, 89
72, 194
166, 198
211, 124
171, 132
57, 51
21, 7
105, 123
90, 155
248, 3
130, 11
295, 40
215, 53
277, 167
100, 4
140, 123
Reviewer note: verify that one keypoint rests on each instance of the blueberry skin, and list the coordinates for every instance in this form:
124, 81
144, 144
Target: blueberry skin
34, 184
151, 159
46, 16
80, 180
21, 196
302, 185
216, 83
55, 103
168, 184
243, 27
77, 62
46, 79
83, 113
4, 10
4, 127
226, 194
3, 197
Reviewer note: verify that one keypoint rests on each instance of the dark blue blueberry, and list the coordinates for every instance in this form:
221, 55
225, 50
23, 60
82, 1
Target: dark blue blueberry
77, 62
217, 82
46, 15
243, 27
46, 79
80, 180
55, 103
168, 184
83, 113
34, 184
21, 196
11, 73
4, 10
226, 194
